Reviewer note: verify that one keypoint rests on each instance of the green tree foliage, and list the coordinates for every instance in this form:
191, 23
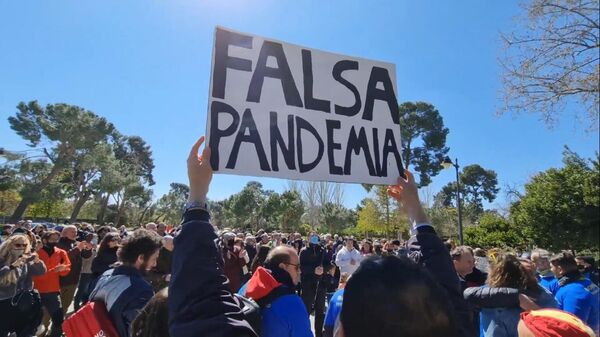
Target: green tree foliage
444, 220
61, 131
494, 231
369, 218
423, 139
244, 208
335, 218
381, 214
560, 208
9, 199
169, 207
477, 184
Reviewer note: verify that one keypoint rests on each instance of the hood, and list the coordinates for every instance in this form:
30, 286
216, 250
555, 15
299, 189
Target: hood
261, 284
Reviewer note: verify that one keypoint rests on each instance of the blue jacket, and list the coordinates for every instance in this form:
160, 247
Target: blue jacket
124, 292
549, 282
200, 302
579, 296
333, 311
283, 316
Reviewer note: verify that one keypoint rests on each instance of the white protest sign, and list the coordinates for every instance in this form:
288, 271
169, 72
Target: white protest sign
280, 110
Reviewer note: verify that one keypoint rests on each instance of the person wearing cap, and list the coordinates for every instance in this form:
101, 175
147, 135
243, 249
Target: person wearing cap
552, 323
348, 258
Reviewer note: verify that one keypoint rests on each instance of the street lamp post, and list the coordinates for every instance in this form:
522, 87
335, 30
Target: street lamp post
447, 163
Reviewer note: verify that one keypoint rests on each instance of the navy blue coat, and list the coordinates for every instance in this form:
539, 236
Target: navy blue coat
125, 292
200, 303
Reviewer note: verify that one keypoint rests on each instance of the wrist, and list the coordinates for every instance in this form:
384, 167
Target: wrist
196, 196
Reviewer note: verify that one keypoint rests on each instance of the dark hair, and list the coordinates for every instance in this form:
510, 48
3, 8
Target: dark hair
392, 296
153, 320
259, 259
142, 242
587, 259
565, 260
47, 234
106, 240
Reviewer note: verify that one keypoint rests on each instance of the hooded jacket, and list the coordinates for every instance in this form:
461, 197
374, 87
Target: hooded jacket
283, 312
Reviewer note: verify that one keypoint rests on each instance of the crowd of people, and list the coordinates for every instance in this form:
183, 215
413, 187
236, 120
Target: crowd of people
195, 280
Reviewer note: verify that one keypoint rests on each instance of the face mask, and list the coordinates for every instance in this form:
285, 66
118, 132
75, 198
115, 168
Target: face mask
18, 252
314, 240
581, 268
230, 243
50, 245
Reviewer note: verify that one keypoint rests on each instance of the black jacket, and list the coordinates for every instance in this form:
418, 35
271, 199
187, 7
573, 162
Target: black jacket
428, 249
311, 257
103, 260
200, 303
75, 255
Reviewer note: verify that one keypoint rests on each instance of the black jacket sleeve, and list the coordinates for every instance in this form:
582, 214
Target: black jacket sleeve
486, 297
435, 258
200, 303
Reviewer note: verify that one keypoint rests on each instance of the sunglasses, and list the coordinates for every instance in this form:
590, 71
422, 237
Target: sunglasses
20, 245
295, 265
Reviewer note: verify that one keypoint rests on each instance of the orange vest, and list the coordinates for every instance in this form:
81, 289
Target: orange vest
49, 282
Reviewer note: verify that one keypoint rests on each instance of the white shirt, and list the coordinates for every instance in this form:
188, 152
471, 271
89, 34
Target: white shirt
344, 257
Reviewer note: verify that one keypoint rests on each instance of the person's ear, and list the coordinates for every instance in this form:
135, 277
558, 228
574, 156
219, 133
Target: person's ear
140, 260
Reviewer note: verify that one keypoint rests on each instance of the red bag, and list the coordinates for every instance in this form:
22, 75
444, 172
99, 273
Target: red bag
92, 320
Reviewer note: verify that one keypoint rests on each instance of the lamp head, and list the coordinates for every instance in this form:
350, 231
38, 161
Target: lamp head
447, 163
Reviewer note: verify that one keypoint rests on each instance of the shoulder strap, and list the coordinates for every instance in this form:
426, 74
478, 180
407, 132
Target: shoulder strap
280, 291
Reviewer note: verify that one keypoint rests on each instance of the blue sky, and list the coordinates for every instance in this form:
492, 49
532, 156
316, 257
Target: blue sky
145, 65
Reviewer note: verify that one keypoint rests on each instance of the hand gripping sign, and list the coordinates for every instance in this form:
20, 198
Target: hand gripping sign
286, 111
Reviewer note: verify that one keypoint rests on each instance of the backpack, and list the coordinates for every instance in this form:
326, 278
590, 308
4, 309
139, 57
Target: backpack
92, 320
252, 309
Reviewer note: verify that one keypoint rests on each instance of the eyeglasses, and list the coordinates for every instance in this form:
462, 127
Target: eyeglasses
20, 245
297, 266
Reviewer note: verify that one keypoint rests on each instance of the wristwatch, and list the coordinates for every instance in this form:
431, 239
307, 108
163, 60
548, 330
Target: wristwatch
195, 205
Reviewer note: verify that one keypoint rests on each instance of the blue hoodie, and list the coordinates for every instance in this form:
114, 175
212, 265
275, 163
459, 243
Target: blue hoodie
286, 315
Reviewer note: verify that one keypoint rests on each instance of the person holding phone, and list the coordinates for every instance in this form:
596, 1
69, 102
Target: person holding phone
17, 265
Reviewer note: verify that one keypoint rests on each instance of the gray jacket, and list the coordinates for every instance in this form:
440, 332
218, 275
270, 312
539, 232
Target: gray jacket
24, 282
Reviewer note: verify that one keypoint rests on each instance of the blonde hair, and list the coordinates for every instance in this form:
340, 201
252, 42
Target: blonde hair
7, 258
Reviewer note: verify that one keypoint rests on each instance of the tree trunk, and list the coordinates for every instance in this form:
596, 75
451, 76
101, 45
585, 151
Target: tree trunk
120, 207
25, 202
102, 211
143, 214
79, 204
